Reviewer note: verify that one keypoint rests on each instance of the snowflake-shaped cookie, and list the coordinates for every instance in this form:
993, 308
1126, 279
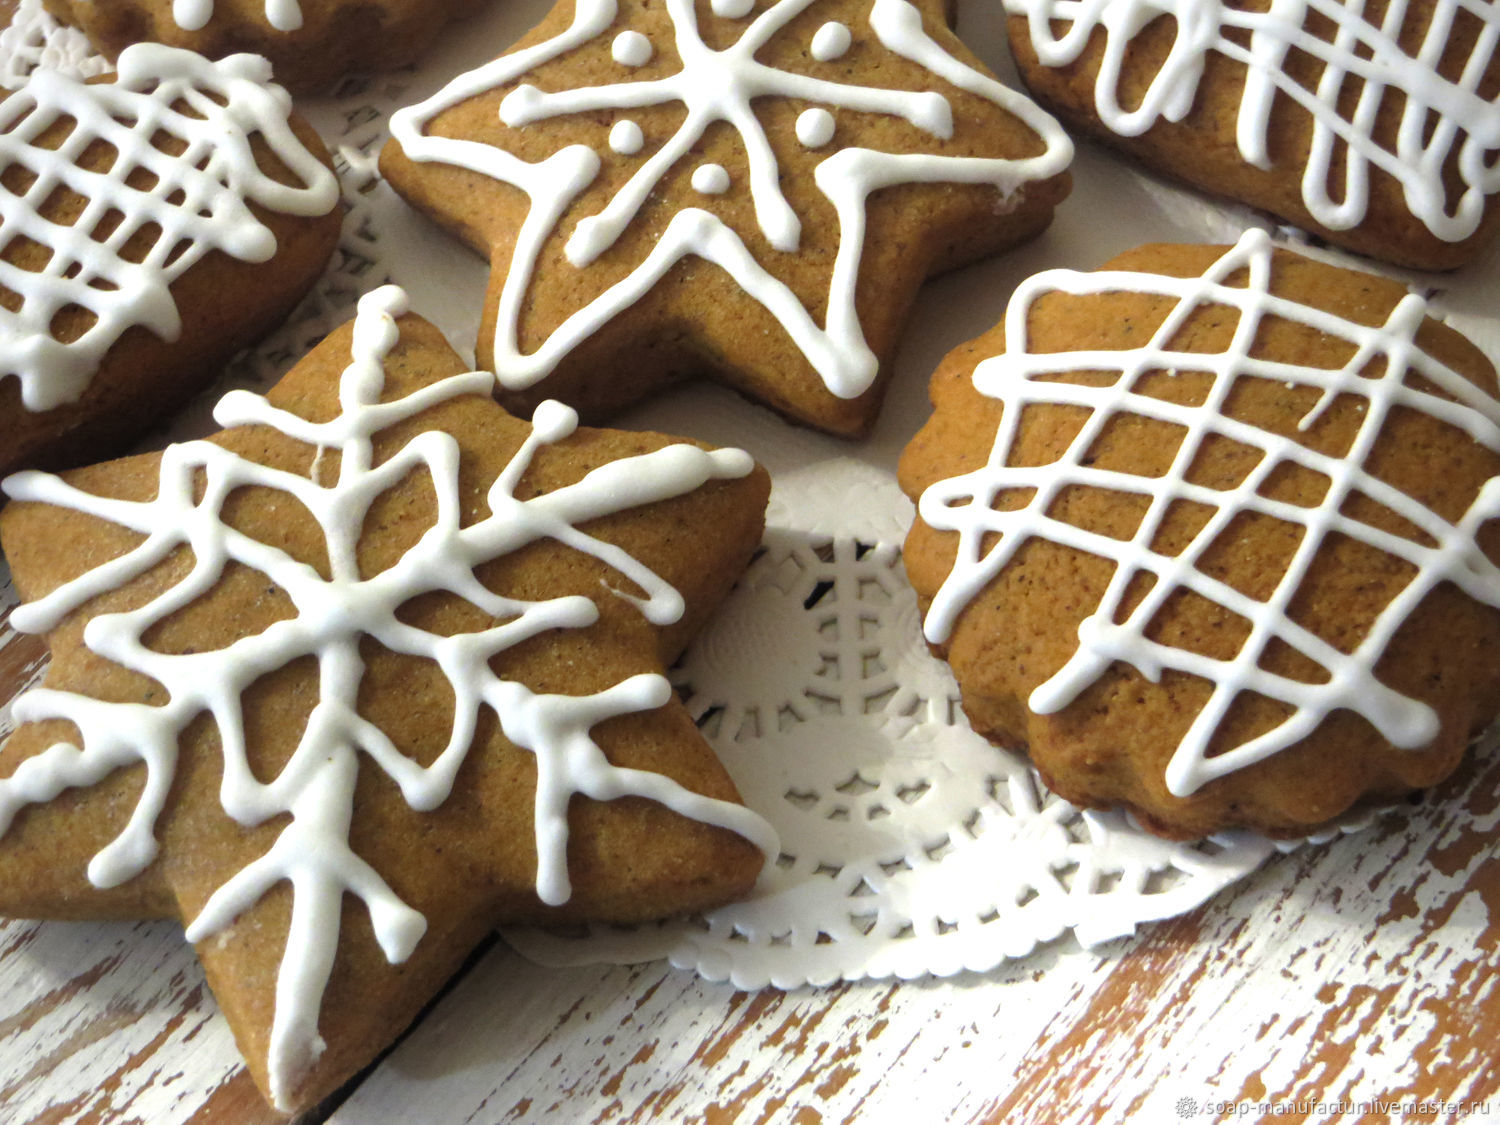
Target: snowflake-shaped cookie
381, 568
753, 191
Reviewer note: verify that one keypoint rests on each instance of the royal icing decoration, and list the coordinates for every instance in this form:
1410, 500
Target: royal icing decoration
1445, 124
315, 790
1385, 374
198, 200
193, 15
719, 86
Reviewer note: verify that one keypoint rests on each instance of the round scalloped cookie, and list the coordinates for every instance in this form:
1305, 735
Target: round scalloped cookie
1218, 568
309, 42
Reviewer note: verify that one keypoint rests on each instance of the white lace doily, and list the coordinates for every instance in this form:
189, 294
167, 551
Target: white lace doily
909, 844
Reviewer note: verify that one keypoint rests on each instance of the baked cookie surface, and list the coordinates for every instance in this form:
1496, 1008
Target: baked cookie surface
309, 42
151, 225
1211, 533
1375, 126
749, 191
371, 671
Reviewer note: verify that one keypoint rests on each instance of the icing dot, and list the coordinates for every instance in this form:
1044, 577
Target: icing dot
626, 138
814, 127
631, 48
732, 9
710, 179
830, 42
553, 421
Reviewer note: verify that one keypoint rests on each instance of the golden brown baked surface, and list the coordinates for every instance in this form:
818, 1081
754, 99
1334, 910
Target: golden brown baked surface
697, 320
1112, 744
336, 37
472, 862
224, 304
1202, 147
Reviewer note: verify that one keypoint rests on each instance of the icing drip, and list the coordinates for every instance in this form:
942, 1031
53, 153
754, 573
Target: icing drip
814, 127
626, 138
1440, 118
717, 86
831, 41
316, 787
198, 209
193, 15
1020, 378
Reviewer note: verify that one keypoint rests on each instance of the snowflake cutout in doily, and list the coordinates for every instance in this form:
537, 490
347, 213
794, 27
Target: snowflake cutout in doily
196, 201
909, 845
582, 208
335, 609
836, 634
1387, 372
1446, 126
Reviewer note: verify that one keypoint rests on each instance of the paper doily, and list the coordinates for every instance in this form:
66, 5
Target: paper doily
910, 845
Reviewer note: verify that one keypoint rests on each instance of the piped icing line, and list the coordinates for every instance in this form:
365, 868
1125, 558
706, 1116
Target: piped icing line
232, 104
316, 786
1020, 378
717, 86
193, 15
1439, 117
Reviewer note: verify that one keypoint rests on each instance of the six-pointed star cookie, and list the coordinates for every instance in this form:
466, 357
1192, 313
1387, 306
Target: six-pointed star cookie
753, 191
372, 670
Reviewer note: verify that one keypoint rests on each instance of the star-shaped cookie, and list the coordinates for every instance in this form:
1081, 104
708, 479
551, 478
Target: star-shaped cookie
372, 670
748, 190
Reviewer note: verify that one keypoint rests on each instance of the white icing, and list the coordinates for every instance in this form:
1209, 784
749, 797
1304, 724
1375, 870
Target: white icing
193, 15
732, 9
717, 86
631, 48
710, 179
1439, 117
831, 41
626, 138
1020, 378
212, 212
315, 789
814, 127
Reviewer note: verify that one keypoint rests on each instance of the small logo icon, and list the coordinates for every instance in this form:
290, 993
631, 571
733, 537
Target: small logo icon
1187, 1107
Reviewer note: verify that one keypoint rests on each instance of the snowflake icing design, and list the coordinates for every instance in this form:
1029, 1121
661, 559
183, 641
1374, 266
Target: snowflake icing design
1021, 378
718, 86
316, 787
1445, 123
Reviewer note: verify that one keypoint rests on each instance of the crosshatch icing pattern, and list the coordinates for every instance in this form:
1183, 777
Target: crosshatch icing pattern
1386, 373
1445, 122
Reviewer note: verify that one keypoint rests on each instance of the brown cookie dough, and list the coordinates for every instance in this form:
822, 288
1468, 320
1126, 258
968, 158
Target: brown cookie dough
424, 591
1223, 580
748, 192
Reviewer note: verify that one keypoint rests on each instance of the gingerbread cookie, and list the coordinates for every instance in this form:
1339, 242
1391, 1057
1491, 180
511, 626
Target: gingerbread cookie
151, 225
309, 42
748, 190
1377, 128
1211, 533
376, 668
